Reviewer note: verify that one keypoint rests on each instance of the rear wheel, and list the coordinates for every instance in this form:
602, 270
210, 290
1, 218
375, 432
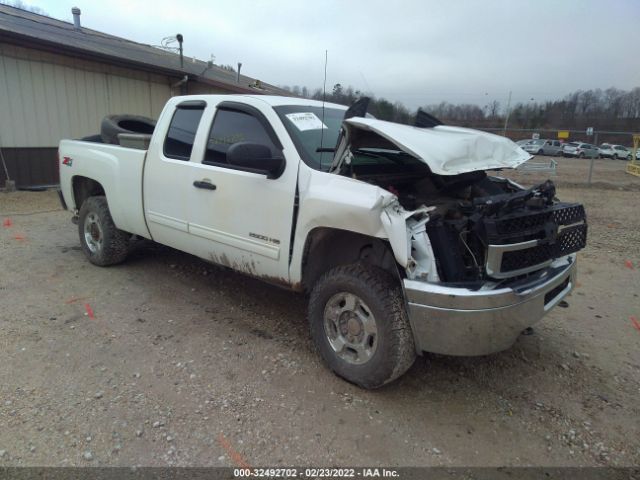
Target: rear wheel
360, 326
540, 152
615, 156
102, 243
581, 155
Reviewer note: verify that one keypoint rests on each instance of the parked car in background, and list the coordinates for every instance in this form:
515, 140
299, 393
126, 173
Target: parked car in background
580, 150
543, 147
621, 152
606, 150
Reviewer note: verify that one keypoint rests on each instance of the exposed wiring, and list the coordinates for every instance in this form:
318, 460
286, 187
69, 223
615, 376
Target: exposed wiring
475, 261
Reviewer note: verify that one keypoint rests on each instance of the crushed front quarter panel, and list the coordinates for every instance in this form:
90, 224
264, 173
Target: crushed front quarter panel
334, 201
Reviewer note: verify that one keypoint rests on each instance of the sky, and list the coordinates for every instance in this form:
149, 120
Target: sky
418, 52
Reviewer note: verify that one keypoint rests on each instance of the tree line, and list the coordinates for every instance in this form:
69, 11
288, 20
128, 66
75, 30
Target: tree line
612, 109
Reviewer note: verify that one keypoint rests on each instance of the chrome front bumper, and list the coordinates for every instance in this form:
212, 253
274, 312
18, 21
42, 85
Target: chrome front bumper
459, 321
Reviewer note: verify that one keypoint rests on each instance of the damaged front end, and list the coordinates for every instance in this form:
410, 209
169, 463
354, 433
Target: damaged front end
483, 257
490, 230
482, 267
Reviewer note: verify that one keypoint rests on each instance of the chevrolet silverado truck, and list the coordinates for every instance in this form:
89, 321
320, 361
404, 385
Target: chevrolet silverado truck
399, 236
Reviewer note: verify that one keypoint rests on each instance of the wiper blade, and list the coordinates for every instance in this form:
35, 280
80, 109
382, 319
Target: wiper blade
377, 155
325, 150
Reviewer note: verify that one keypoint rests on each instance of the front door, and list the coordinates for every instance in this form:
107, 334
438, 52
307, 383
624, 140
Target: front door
238, 218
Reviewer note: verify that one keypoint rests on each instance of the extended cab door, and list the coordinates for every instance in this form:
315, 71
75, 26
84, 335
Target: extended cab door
243, 219
168, 174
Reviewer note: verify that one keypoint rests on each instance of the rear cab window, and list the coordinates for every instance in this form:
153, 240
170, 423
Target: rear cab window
178, 143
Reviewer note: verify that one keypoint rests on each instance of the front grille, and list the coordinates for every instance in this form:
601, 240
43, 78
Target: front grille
519, 259
561, 214
568, 215
522, 223
524, 241
570, 240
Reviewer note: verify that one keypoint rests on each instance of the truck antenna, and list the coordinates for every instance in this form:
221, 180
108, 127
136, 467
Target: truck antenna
324, 94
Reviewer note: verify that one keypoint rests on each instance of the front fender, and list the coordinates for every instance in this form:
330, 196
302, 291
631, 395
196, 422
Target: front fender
333, 201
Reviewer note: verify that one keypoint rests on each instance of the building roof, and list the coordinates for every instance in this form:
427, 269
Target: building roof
46, 32
278, 101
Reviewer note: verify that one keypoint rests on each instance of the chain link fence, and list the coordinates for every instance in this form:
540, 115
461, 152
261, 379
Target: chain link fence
592, 170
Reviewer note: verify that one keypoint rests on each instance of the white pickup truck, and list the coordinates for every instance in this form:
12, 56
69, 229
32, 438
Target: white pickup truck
401, 239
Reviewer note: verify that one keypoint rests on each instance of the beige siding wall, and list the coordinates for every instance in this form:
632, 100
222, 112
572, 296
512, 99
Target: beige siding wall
46, 97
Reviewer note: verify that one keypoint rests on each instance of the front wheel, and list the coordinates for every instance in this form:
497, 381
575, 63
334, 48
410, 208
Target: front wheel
102, 242
360, 326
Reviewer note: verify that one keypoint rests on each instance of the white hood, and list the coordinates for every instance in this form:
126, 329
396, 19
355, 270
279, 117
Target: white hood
446, 150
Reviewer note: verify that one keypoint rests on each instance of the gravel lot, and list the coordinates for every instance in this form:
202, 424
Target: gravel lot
167, 360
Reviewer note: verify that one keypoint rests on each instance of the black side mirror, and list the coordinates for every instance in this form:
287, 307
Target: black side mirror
255, 157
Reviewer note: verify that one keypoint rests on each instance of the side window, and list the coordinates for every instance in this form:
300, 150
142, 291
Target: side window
182, 132
233, 126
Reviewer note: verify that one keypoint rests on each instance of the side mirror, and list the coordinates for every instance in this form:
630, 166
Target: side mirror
255, 157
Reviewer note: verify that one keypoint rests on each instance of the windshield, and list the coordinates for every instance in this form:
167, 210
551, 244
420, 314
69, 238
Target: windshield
537, 142
573, 144
309, 127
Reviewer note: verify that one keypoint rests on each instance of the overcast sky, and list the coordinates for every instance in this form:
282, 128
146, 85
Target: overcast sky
418, 52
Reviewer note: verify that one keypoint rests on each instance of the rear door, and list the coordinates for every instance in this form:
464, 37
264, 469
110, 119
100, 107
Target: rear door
245, 221
168, 175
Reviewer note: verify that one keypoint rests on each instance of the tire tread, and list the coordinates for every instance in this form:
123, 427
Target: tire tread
116, 242
385, 288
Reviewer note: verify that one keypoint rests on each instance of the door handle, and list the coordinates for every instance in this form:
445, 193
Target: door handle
204, 185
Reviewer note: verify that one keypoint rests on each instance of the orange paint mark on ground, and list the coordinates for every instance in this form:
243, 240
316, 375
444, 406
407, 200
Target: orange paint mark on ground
233, 454
89, 310
7, 223
628, 264
635, 322
20, 238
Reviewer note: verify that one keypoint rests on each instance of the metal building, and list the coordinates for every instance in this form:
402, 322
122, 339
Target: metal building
59, 79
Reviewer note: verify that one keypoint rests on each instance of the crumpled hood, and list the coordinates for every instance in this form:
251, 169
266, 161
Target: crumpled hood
447, 150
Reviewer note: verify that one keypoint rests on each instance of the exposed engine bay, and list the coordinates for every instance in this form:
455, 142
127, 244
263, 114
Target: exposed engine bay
482, 227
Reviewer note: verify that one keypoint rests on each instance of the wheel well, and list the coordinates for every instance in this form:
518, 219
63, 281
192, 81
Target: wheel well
327, 248
84, 188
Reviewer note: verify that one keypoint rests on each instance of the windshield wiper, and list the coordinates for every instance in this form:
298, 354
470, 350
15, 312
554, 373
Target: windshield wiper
375, 155
325, 150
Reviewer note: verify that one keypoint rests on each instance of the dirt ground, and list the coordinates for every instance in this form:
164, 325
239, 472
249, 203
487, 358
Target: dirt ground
167, 360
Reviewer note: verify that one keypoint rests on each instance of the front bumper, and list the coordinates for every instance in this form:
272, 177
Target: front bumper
459, 321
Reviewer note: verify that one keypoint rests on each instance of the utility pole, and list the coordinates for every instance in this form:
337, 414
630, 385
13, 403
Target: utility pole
595, 142
506, 119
